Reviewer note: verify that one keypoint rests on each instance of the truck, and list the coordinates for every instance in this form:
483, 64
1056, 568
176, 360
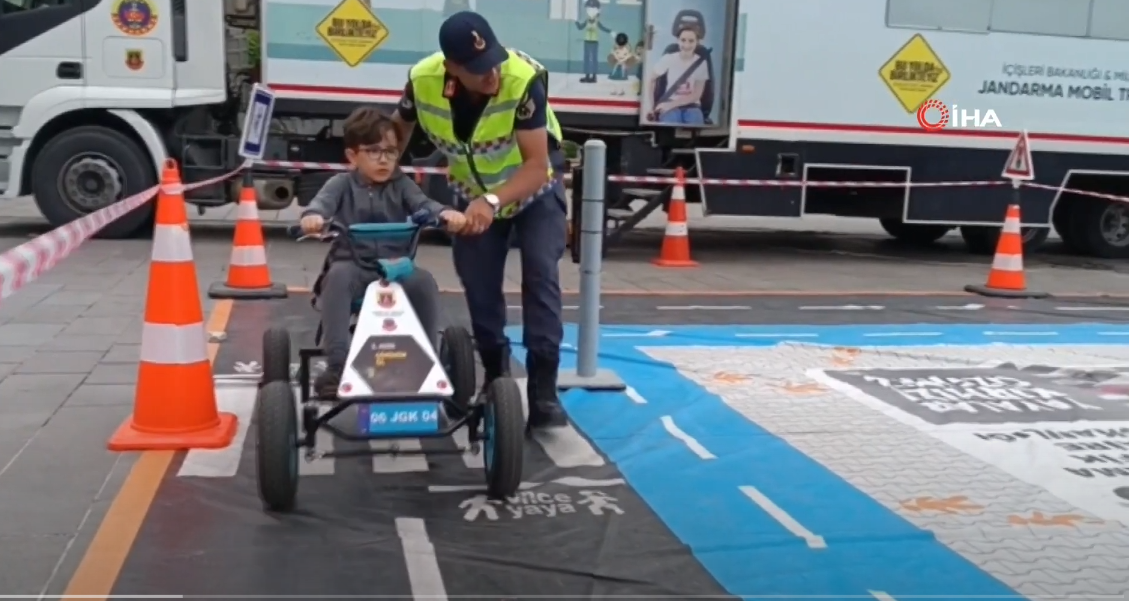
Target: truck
795, 94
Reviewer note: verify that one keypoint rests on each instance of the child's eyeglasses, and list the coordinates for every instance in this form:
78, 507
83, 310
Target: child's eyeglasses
377, 153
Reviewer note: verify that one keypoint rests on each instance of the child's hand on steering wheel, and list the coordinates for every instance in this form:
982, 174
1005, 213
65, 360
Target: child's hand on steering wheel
453, 221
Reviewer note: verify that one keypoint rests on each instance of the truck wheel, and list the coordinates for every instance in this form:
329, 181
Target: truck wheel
982, 239
914, 233
1101, 227
88, 168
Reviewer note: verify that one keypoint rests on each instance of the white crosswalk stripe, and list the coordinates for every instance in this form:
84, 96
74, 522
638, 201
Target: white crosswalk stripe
565, 447
398, 464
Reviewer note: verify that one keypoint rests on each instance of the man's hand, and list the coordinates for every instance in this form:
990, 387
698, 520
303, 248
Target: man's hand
312, 224
479, 216
453, 221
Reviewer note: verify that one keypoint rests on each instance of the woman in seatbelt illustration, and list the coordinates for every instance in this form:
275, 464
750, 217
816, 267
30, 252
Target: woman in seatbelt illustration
679, 79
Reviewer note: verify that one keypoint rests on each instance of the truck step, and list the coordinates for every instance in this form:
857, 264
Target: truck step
689, 151
641, 193
620, 214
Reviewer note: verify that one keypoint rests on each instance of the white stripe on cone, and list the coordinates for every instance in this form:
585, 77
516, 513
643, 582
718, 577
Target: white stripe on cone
680, 230
248, 256
678, 193
1004, 262
171, 244
248, 210
1011, 226
166, 344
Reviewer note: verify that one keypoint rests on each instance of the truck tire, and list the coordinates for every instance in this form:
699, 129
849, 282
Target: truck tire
913, 233
982, 239
1101, 228
88, 168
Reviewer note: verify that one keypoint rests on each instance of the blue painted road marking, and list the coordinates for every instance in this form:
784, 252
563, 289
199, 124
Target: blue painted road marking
857, 335
761, 516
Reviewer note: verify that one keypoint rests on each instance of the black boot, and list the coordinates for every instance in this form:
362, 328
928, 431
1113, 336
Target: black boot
495, 364
545, 410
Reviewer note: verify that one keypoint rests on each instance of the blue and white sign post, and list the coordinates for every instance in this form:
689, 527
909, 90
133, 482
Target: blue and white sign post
256, 123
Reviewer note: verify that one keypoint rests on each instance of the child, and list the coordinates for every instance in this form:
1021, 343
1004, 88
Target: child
621, 58
375, 191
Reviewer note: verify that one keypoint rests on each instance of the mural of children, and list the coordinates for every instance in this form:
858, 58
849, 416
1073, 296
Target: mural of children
591, 26
621, 58
686, 76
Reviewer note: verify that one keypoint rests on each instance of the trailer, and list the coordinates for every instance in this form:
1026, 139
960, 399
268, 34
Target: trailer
97, 93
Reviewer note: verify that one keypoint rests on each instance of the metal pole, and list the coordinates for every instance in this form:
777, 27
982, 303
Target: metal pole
591, 253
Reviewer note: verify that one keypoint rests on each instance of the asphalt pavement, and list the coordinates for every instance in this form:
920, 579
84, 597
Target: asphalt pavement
591, 520
620, 503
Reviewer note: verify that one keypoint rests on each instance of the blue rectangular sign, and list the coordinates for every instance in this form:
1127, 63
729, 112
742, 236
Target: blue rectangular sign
256, 123
405, 418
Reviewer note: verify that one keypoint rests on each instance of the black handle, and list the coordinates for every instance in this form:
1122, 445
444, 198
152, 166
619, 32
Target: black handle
69, 70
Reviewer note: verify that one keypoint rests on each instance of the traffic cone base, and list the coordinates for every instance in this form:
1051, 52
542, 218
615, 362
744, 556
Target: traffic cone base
673, 263
248, 277
222, 290
1006, 278
130, 438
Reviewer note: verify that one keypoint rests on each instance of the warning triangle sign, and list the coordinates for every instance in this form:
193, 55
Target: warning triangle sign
1019, 166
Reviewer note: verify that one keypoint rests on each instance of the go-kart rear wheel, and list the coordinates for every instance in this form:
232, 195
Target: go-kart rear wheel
504, 432
276, 447
456, 353
276, 355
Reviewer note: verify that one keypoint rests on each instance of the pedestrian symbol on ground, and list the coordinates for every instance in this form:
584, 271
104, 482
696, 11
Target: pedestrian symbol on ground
1019, 167
598, 502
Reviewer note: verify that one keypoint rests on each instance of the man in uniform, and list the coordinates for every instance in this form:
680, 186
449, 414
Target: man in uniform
486, 108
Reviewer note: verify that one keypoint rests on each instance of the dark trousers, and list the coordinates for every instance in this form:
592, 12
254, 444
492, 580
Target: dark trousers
480, 261
346, 281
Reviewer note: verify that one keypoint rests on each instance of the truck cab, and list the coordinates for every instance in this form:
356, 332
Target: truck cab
94, 93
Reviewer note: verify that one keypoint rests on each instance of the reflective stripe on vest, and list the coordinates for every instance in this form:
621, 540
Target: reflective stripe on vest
491, 157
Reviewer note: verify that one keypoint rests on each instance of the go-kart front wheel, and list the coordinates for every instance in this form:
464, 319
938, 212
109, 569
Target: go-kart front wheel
456, 352
276, 355
504, 432
276, 447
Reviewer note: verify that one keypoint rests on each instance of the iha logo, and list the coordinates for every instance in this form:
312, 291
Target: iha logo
933, 115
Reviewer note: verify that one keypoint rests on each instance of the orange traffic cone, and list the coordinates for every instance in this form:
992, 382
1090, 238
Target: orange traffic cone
1006, 278
175, 403
248, 276
676, 241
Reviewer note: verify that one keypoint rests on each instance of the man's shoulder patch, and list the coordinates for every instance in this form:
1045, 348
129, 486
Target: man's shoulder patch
526, 110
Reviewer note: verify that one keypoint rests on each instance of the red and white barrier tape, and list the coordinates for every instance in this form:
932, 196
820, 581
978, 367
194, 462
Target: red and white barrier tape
26, 262
665, 181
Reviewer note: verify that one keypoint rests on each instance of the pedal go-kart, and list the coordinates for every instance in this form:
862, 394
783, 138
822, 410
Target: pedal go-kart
401, 386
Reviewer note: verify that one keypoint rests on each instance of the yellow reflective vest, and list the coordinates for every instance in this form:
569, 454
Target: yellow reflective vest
492, 156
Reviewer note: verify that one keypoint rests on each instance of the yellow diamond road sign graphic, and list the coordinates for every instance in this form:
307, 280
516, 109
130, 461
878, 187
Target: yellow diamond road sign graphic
915, 73
352, 31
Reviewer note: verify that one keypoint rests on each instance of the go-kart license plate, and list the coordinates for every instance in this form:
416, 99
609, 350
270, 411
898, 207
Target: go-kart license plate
400, 418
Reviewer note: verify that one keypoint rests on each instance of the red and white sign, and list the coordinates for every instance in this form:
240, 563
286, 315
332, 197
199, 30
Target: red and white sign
1019, 167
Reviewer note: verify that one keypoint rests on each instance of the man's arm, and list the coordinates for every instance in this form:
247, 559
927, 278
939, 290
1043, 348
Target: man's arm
405, 117
326, 202
533, 141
